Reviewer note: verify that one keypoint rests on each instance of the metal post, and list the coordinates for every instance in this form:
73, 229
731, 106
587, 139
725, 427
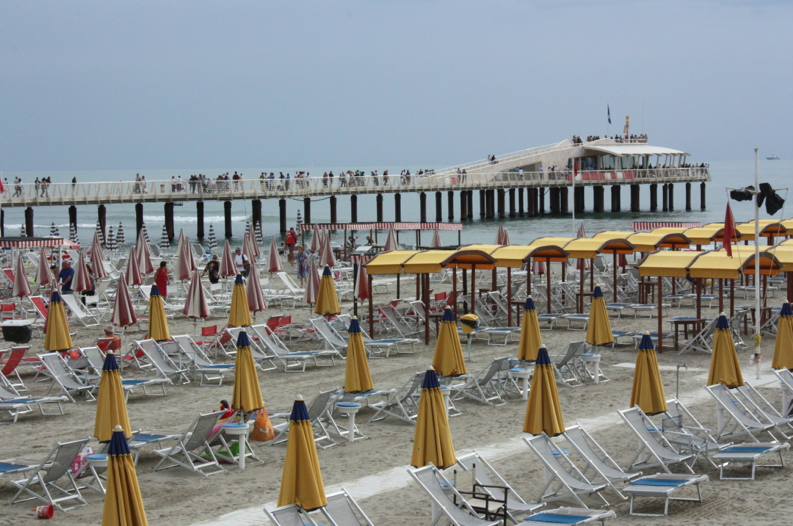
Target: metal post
757, 335
199, 209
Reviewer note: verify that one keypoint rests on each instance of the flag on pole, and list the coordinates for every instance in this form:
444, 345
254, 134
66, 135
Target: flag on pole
729, 231
608, 110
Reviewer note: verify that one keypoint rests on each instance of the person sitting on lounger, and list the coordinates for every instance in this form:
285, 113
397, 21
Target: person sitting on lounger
110, 342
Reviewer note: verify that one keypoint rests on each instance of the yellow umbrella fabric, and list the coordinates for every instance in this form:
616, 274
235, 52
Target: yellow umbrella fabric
247, 391
301, 481
111, 406
57, 337
432, 441
724, 366
123, 502
357, 378
448, 359
648, 389
530, 338
543, 412
327, 300
240, 313
783, 347
158, 323
599, 329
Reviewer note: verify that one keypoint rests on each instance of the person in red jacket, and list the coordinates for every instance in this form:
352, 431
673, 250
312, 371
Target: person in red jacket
291, 241
161, 279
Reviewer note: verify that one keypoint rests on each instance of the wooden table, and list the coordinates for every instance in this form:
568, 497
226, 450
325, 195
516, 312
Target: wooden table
695, 323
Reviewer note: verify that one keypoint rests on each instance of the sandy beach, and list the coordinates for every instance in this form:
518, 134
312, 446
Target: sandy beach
373, 469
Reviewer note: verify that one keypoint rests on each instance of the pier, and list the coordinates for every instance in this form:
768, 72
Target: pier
522, 184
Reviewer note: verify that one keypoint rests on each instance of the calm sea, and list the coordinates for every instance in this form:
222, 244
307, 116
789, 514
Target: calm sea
521, 230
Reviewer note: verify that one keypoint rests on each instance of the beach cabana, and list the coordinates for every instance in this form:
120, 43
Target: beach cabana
590, 248
548, 250
705, 235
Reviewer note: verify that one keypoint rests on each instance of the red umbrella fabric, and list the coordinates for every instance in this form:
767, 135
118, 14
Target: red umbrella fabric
123, 311
326, 253
391, 241
436, 240
195, 305
185, 265
97, 254
82, 278
253, 289
274, 259
21, 286
505, 237
254, 243
144, 255
132, 273
312, 284
316, 240
249, 246
227, 265
362, 283
43, 273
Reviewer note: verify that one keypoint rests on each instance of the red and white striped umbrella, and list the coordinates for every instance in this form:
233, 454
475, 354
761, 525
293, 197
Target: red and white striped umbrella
123, 311
43, 273
254, 243
312, 285
227, 265
253, 289
249, 246
97, 257
185, 265
436, 240
502, 238
391, 241
132, 272
81, 282
326, 253
195, 305
21, 286
316, 241
144, 255
274, 259
362, 283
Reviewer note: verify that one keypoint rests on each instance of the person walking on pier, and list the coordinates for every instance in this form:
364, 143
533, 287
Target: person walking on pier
74, 183
17, 187
161, 279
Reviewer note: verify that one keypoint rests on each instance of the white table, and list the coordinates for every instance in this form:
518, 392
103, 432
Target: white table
523, 374
240, 431
593, 358
350, 409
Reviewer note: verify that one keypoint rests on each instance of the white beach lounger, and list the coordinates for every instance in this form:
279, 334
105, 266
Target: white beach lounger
654, 449
663, 486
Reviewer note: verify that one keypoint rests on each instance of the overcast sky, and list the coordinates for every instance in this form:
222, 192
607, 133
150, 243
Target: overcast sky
157, 85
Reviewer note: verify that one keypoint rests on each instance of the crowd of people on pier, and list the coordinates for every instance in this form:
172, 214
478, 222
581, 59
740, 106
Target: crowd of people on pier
616, 138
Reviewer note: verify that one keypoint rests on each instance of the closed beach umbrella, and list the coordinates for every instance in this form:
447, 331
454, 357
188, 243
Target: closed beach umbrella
327, 300
43, 273
301, 481
97, 254
436, 240
21, 287
253, 246
111, 407
326, 252
185, 265
132, 272
312, 284
123, 501
57, 337
239, 315
73, 234
111, 244
724, 366
144, 255
195, 304
97, 259
227, 265
273, 258
599, 330
432, 441
54, 232
448, 359
259, 236
247, 395
145, 233
158, 323
123, 310
165, 243
99, 234
357, 378
543, 412
299, 223
391, 241
648, 389
81, 282
22, 231
530, 337
316, 241
212, 241
502, 237
783, 347
253, 291
249, 246
120, 234
361, 289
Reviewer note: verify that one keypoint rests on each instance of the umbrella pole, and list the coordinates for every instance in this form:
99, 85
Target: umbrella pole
548, 281
426, 302
528, 279
371, 306
581, 289
398, 283
473, 289
509, 297
660, 314
592, 277
354, 296
465, 289
732, 299
721, 295
454, 290
699, 298
614, 271
418, 286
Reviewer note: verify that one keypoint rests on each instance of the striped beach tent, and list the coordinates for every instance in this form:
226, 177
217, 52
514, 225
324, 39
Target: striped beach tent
111, 245
100, 233
145, 233
259, 237
212, 241
22, 232
54, 232
165, 243
299, 226
73, 234
120, 234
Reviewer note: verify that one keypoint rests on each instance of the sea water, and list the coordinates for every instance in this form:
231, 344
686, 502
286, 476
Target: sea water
522, 230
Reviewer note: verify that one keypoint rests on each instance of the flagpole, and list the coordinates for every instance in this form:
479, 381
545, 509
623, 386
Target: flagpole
757, 335
575, 166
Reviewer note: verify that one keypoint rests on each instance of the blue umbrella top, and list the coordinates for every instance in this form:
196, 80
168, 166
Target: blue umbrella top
355, 327
786, 310
431, 380
238, 280
118, 443
299, 411
722, 323
56, 296
448, 314
243, 340
529, 304
542, 356
326, 272
597, 293
110, 363
155, 291
647, 342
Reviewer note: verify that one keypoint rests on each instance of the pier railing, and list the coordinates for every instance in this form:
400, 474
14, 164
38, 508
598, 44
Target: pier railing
22, 195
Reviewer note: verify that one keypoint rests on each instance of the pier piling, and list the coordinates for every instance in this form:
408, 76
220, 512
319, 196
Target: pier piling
102, 213
397, 208
463, 205
501, 203
470, 204
598, 198
227, 216
532, 195
450, 204
482, 203
702, 196
635, 198
664, 197
688, 197
616, 198
491, 204
653, 197
2, 223
138, 219
521, 209
671, 197
512, 212
554, 200
438, 207
256, 213
423, 207
199, 212
353, 209
333, 216
563, 200
72, 217
307, 210
541, 199
168, 220
29, 222
379, 200
578, 199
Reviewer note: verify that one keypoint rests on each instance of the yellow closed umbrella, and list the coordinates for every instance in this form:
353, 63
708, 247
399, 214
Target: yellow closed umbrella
357, 378
543, 412
240, 313
247, 395
598, 331
327, 300
783, 346
158, 323
648, 389
111, 406
448, 359
724, 366
530, 338
123, 502
57, 337
301, 481
432, 441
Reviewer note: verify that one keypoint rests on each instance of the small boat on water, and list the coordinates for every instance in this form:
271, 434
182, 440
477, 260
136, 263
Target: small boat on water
773, 157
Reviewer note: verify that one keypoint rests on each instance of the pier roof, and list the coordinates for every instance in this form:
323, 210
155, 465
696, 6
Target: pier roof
632, 149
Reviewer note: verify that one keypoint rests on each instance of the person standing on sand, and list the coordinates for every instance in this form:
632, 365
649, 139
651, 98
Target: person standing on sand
303, 267
213, 269
291, 241
161, 279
